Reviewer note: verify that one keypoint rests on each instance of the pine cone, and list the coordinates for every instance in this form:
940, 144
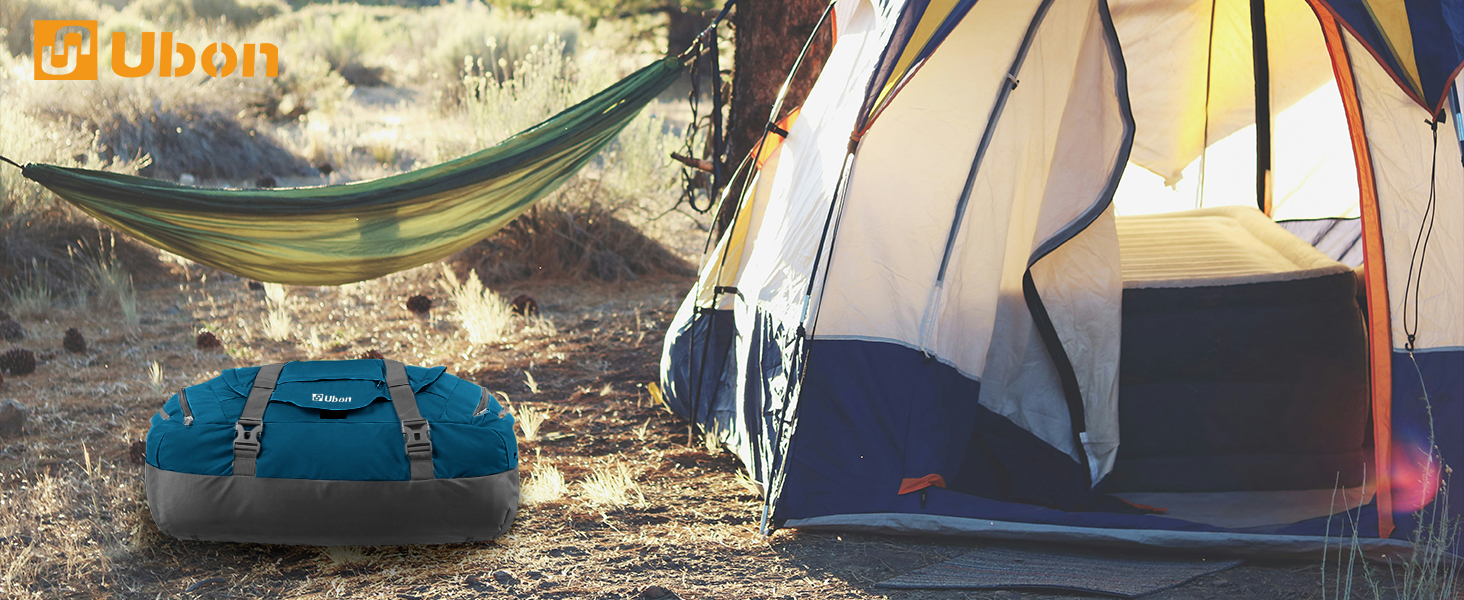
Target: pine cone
525, 305
207, 341
372, 355
18, 362
11, 331
73, 341
419, 304
255, 285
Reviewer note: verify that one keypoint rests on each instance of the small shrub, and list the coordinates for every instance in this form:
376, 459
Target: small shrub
179, 127
241, 14
570, 240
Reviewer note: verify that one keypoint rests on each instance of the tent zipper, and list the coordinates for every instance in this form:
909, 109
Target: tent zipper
1003, 93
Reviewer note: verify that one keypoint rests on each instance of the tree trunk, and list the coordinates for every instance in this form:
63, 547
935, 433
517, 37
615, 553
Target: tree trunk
770, 34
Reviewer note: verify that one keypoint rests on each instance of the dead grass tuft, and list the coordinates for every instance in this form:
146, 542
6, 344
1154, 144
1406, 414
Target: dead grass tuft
529, 421
485, 315
612, 486
279, 323
544, 486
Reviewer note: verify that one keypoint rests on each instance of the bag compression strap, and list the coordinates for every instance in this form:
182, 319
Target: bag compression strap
415, 430
250, 425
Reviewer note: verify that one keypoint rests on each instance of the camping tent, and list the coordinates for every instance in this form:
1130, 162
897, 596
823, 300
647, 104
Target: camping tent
939, 309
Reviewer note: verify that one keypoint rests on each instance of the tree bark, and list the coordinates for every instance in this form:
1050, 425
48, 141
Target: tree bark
770, 33
769, 36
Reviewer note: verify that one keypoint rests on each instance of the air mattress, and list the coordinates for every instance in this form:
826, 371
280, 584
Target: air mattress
1243, 361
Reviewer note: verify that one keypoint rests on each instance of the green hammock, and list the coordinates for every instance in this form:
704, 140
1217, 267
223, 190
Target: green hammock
345, 233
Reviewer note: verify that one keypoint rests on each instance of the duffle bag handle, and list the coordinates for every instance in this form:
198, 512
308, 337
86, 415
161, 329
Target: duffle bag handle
416, 433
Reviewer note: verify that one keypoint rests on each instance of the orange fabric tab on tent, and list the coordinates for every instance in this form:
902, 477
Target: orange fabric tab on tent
908, 485
1379, 326
772, 141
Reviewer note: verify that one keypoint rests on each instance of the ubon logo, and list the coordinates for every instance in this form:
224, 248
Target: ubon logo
68, 50
65, 50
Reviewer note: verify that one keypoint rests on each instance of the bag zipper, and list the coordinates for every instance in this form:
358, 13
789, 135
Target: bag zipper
183, 403
483, 406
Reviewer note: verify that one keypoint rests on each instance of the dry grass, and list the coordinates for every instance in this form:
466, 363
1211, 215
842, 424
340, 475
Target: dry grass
485, 315
344, 556
279, 322
530, 382
529, 421
544, 486
155, 379
611, 487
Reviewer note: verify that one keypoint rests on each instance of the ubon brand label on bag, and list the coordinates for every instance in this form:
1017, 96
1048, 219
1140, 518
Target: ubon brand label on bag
342, 394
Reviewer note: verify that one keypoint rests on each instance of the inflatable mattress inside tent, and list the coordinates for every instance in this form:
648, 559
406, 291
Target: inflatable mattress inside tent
1163, 273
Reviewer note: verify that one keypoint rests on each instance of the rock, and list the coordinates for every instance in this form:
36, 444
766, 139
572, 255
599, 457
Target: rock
656, 592
256, 286
12, 418
187, 179
504, 577
478, 585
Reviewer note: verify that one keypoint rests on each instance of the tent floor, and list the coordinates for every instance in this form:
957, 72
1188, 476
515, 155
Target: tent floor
1242, 510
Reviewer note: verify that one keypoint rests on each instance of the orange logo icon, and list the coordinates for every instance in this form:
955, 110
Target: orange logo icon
66, 49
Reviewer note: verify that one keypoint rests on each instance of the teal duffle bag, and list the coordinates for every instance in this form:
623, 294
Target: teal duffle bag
331, 453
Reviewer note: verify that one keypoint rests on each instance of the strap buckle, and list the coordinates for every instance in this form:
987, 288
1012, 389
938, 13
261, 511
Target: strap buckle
418, 436
246, 440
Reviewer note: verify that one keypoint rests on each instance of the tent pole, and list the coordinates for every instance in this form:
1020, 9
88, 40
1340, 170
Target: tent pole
1261, 62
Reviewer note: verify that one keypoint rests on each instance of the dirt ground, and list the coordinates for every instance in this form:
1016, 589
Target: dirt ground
74, 522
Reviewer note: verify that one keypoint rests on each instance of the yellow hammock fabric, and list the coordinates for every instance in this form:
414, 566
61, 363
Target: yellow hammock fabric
346, 233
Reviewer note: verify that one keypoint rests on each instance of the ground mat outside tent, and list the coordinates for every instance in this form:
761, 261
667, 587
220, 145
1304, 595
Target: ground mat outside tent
1077, 570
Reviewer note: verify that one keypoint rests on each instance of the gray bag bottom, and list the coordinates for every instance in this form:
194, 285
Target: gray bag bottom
309, 512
